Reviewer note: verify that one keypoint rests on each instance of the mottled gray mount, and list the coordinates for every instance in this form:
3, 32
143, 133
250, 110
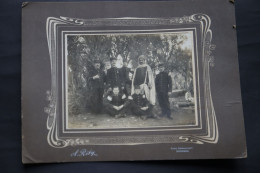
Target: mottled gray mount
211, 135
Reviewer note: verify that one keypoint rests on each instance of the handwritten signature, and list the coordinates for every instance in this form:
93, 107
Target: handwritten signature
84, 153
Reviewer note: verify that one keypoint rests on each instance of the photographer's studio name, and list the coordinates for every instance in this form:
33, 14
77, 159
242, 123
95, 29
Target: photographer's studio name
181, 149
84, 153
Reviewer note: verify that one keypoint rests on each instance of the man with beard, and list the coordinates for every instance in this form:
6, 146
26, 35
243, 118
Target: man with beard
143, 77
114, 76
96, 80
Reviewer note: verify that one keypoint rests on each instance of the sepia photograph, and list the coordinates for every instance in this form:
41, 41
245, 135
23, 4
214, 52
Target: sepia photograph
130, 80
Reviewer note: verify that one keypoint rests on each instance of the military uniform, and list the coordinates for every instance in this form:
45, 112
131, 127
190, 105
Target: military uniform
114, 78
139, 101
97, 90
115, 100
163, 85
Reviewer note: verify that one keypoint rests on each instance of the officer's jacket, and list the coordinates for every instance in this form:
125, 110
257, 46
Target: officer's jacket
163, 82
140, 100
114, 77
99, 82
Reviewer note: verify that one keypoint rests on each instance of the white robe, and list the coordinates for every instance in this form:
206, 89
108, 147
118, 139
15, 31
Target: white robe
149, 93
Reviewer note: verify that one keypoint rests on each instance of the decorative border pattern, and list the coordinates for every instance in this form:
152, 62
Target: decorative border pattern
211, 135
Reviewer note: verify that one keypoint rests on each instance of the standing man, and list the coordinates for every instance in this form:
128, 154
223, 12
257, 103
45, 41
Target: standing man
126, 79
96, 81
114, 76
143, 77
163, 83
125, 71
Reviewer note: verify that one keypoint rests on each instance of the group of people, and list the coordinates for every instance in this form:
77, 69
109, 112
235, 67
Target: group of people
115, 93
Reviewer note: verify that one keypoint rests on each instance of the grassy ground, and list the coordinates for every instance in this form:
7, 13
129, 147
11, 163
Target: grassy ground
181, 116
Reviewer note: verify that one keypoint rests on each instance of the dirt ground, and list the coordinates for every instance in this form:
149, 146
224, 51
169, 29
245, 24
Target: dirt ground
181, 116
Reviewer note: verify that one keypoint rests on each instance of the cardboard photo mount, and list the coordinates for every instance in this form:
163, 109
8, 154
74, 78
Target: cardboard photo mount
219, 128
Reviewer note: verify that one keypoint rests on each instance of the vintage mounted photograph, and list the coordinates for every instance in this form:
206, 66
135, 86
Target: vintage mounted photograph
130, 84
130, 80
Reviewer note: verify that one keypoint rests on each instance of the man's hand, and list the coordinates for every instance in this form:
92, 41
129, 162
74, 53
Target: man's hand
116, 107
130, 97
169, 93
96, 77
124, 96
149, 86
109, 98
120, 107
144, 108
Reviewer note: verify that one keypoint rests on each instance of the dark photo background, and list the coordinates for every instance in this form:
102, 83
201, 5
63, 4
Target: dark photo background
248, 28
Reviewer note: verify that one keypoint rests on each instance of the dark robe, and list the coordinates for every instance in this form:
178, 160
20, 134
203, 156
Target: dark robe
140, 76
97, 90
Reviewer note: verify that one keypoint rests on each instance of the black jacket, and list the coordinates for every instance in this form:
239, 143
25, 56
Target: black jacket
163, 82
125, 74
99, 82
140, 100
114, 77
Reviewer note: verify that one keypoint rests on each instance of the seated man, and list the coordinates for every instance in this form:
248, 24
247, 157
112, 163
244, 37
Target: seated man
139, 104
115, 103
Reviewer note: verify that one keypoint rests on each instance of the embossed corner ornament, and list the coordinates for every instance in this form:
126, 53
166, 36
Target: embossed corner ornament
210, 135
51, 110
